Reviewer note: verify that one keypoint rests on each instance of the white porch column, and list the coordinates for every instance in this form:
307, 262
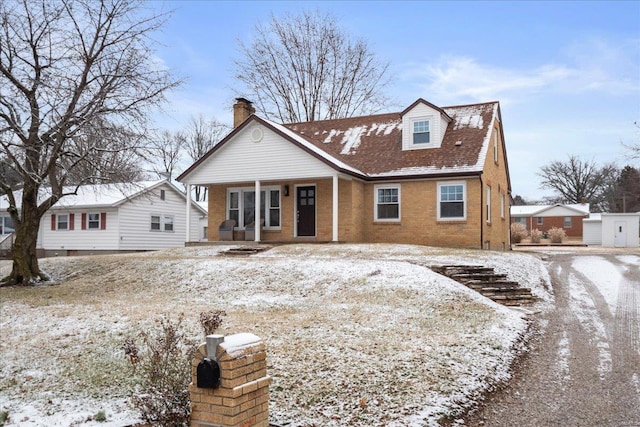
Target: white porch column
257, 214
188, 216
335, 208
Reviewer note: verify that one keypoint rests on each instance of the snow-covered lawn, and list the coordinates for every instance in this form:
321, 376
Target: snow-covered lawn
361, 335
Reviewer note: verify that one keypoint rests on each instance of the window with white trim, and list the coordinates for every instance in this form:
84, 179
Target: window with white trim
488, 203
539, 221
155, 222
63, 222
162, 223
93, 221
387, 203
168, 223
6, 225
241, 204
520, 220
567, 222
502, 204
452, 200
421, 132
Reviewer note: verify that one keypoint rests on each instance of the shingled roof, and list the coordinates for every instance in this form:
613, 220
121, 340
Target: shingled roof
373, 144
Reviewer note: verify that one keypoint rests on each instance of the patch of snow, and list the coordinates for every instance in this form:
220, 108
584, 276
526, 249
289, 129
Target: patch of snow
351, 139
564, 353
604, 275
583, 307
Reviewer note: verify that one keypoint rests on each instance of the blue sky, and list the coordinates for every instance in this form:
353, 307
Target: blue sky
567, 74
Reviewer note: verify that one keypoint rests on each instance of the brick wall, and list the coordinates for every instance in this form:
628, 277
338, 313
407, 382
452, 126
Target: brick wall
242, 400
549, 222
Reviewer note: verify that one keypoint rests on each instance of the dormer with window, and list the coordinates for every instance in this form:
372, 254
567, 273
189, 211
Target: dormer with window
423, 126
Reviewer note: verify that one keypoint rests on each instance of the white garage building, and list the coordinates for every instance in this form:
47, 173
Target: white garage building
612, 230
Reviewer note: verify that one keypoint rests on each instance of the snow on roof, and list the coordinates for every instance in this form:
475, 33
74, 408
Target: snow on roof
312, 147
531, 210
95, 195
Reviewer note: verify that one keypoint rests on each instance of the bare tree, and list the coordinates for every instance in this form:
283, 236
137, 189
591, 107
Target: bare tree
165, 151
65, 66
576, 181
305, 68
103, 153
200, 137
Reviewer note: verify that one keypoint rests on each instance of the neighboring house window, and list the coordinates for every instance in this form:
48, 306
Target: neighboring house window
168, 223
161, 223
452, 199
387, 203
520, 220
6, 225
540, 221
502, 206
421, 133
241, 204
488, 202
155, 222
62, 222
161, 194
93, 221
567, 222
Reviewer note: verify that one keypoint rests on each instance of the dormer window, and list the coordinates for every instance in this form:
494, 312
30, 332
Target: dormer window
421, 133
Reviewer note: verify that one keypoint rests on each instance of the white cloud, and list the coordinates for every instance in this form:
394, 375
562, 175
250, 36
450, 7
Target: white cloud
590, 66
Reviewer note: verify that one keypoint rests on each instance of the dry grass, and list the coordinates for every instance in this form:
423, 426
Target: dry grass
356, 335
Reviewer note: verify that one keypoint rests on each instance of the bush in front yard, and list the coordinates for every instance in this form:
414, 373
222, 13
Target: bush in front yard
518, 232
164, 362
536, 235
557, 235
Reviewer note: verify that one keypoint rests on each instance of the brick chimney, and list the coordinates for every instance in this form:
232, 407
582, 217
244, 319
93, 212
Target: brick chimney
242, 109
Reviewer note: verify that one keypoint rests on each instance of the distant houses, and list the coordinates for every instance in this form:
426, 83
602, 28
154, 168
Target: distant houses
544, 217
111, 218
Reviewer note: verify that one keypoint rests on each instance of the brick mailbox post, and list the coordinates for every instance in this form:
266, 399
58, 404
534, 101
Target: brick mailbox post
239, 397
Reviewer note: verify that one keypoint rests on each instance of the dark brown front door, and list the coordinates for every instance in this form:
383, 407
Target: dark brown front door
306, 210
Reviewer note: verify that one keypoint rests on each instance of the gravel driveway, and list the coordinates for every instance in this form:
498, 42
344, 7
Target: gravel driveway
584, 366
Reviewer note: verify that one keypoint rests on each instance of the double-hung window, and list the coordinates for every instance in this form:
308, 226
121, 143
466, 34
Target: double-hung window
63, 222
93, 221
452, 199
387, 203
421, 132
567, 222
241, 206
161, 223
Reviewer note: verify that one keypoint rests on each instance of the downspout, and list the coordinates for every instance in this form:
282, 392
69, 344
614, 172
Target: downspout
481, 212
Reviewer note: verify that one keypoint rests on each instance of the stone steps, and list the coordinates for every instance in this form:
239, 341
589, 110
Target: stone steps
488, 283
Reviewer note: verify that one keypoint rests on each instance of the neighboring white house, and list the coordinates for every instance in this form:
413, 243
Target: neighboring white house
110, 218
612, 230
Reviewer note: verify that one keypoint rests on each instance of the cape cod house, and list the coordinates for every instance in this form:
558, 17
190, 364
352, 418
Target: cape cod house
110, 218
427, 175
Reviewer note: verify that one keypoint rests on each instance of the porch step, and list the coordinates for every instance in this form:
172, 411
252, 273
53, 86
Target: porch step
485, 281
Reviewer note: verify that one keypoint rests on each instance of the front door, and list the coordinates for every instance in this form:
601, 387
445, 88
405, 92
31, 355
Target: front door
620, 235
306, 210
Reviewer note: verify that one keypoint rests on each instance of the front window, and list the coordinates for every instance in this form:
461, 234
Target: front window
241, 205
63, 222
451, 201
421, 133
93, 221
520, 220
540, 221
387, 202
567, 222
